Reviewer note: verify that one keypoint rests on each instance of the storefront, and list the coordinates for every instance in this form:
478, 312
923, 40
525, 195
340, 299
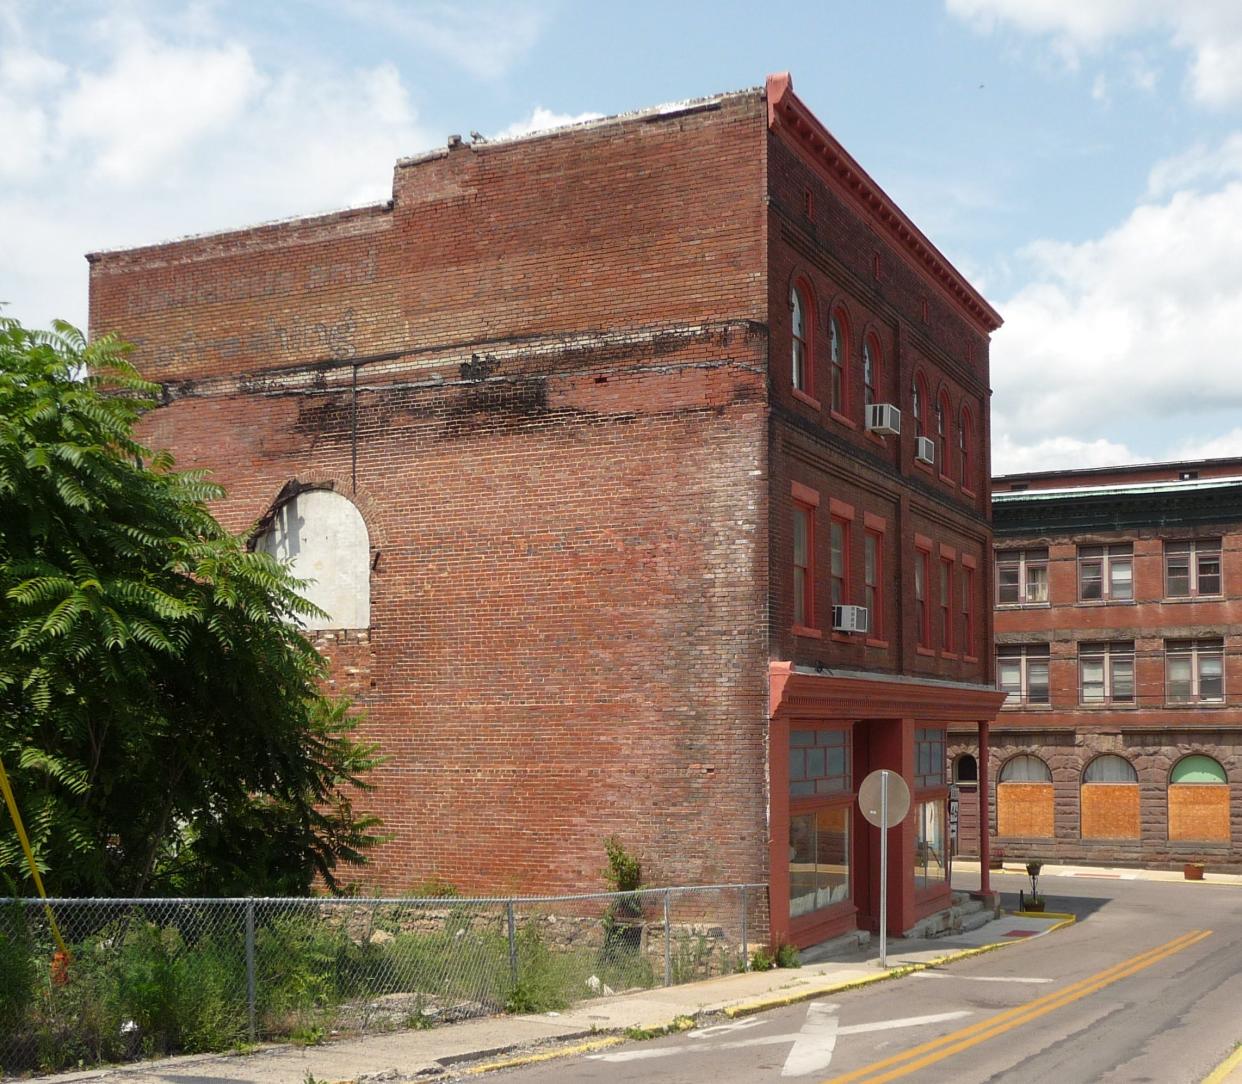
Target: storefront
827, 731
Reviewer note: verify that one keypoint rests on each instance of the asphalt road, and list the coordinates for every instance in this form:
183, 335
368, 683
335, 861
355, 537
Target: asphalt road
1147, 986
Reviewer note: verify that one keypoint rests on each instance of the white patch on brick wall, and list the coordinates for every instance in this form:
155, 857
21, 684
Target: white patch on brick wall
325, 539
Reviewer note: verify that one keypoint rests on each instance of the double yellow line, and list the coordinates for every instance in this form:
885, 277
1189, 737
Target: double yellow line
920, 1057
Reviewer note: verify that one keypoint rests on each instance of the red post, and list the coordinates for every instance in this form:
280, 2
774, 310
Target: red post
985, 820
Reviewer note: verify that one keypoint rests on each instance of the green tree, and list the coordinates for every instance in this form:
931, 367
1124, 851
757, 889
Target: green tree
161, 716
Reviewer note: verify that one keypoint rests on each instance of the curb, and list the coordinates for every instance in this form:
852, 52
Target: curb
1225, 1068
544, 1055
762, 1005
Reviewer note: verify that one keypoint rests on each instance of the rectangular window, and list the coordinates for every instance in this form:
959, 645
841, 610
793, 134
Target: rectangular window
1194, 671
1022, 672
1106, 673
1106, 573
968, 610
873, 578
946, 604
929, 845
1022, 577
922, 570
803, 565
929, 757
819, 859
839, 538
1192, 568
819, 763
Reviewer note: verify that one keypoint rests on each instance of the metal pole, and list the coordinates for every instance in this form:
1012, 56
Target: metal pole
884, 869
668, 947
513, 959
251, 1001
745, 949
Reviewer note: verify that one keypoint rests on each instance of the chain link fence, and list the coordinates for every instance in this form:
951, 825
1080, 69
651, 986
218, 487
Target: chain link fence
164, 976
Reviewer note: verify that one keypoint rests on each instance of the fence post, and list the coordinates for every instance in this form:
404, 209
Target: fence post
513, 960
745, 948
251, 1007
668, 943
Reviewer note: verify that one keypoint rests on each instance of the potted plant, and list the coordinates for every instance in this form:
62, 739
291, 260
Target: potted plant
1036, 901
996, 858
1193, 871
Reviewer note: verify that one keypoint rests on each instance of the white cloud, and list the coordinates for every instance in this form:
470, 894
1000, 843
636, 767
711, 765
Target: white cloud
540, 120
1055, 453
1209, 30
1225, 445
486, 39
155, 138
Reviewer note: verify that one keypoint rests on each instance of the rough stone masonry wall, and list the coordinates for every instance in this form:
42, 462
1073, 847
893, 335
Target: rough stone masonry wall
541, 377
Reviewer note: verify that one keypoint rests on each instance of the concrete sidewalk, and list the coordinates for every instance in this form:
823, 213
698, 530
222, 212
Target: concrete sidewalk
478, 1045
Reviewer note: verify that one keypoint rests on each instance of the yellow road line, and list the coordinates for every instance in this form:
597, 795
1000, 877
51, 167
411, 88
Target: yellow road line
929, 1053
1222, 1071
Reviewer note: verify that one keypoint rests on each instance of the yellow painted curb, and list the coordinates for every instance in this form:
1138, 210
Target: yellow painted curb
545, 1055
1222, 1071
749, 1008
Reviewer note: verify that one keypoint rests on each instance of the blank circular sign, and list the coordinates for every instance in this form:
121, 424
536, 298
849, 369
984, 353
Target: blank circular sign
898, 798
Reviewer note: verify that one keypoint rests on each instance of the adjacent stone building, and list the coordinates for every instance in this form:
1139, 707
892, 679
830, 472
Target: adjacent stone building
1118, 625
573, 434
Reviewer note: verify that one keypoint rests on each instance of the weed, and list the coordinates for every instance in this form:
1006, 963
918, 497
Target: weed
787, 956
762, 960
680, 1023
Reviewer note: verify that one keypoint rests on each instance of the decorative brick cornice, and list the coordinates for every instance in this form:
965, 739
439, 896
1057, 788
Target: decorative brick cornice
788, 114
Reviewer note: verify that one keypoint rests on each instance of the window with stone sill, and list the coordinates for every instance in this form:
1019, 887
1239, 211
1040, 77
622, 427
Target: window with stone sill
1192, 568
1106, 573
1194, 671
1106, 673
1022, 672
1022, 577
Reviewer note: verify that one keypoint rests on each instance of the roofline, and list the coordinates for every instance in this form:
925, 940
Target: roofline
788, 113
1121, 489
1081, 472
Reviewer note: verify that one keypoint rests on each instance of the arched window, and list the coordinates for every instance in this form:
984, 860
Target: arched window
1197, 770
1198, 801
838, 351
800, 362
918, 405
1025, 768
871, 371
966, 769
944, 422
1110, 769
324, 539
965, 448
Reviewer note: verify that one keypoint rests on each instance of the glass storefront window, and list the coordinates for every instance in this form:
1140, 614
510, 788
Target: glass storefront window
819, 859
929, 853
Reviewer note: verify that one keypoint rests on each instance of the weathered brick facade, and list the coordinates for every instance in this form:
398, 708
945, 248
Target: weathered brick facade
1140, 512
552, 376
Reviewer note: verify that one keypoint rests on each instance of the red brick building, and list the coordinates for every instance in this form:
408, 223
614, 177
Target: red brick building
572, 433
1118, 610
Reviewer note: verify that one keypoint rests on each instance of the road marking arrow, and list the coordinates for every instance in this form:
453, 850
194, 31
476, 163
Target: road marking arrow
812, 1049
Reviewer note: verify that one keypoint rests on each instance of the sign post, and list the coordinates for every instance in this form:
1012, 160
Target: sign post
885, 800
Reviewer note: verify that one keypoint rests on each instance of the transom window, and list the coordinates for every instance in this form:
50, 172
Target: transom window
929, 757
1022, 577
1110, 768
1106, 573
1022, 672
1198, 770
1106, 673
1194, 671
819, 762
1025, 768
1192, 568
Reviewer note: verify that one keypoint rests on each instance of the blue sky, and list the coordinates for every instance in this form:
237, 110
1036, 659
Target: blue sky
1079, 160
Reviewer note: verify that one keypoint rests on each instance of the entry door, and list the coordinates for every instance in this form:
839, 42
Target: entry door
967, 820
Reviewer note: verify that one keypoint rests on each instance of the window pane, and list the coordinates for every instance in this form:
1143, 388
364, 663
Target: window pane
1092, 680
869, 554
1037, 583
1110, 769
1007, 583
929, 850
1123, 679
1120, 579
838, 548
1091, 580
1025, 769
1037, 681
801, 864
1009, 677
1177, 574
1178, 677
832, 855
1211, 677
1209, 573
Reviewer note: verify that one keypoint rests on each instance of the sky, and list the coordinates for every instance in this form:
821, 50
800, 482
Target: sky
1080, 161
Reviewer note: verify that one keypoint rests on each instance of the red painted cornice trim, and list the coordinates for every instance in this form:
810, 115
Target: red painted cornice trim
788, 114
833, 696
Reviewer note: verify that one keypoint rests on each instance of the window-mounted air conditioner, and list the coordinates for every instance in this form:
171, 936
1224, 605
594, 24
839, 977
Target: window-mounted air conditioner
883, 418
850, 619
925, 450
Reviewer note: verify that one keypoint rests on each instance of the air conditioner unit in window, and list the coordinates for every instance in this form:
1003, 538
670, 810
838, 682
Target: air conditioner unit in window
925, 450
850, 619
883, 418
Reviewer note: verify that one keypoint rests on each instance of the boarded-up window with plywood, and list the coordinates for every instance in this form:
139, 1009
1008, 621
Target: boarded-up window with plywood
1198, 801
1024, 799
1109, 799
324, 539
